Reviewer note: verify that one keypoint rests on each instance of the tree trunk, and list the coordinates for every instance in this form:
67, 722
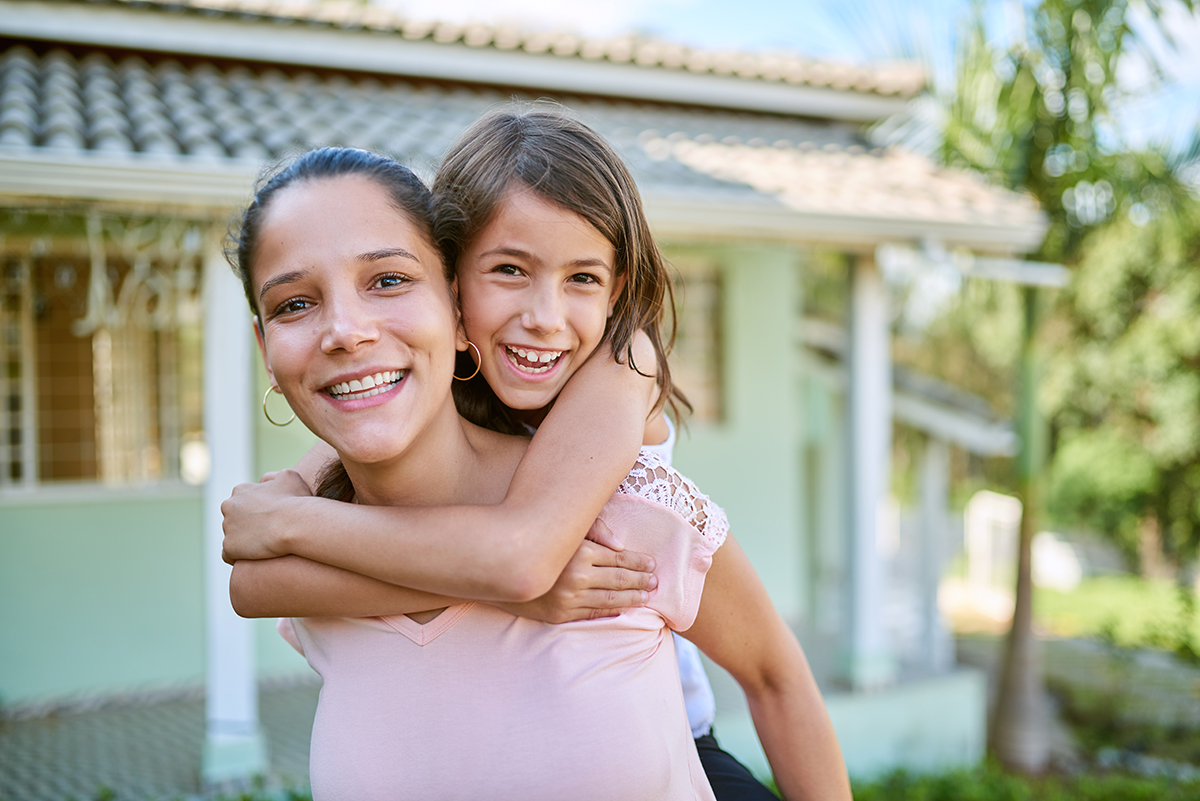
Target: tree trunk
1019, 734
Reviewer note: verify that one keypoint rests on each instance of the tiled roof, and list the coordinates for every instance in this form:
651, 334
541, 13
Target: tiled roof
903, 79
92, 109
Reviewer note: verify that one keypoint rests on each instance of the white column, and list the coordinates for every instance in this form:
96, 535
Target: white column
937, 646
234, 745
868, 662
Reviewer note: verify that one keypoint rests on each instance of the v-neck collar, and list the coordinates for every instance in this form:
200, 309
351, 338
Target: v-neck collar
424, 633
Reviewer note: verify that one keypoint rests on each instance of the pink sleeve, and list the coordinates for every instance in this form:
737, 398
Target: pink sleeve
287, 630
663, 514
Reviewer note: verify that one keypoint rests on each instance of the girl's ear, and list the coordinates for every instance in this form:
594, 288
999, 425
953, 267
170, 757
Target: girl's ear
618, 286
262, 349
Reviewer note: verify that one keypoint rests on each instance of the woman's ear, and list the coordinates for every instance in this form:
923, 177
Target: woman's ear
618, 286
262, 349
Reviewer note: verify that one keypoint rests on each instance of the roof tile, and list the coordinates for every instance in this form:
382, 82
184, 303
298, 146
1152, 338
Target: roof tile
169, 111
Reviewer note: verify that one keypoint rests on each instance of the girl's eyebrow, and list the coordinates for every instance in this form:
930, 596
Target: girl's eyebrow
387, 253
524, 254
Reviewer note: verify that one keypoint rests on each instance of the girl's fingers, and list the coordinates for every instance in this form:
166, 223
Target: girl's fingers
601, 533
602, 556
612, 600
618, 579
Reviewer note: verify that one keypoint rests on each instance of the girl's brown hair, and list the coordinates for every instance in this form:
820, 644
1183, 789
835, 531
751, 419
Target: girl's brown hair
544, 148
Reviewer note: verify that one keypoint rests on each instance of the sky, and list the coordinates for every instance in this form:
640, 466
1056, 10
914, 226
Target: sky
847, 30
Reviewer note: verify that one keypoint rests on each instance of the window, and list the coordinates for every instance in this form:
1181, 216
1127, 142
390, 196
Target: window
696, 359
101, 350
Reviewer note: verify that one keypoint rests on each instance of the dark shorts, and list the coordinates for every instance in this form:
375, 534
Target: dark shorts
730, 779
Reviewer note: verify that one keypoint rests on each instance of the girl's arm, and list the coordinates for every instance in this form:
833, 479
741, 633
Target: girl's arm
592, 585
739, 629
513, 551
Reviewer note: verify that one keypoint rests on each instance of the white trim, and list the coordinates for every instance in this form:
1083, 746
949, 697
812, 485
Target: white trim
234, 746
391, 53
977, 436
709, 216
181, 181
971, 432
868, 661
81, 492
702, 216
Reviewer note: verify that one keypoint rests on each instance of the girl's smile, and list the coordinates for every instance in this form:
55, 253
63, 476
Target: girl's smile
536, 287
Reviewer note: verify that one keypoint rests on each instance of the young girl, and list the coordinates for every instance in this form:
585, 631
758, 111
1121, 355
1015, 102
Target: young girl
540, 273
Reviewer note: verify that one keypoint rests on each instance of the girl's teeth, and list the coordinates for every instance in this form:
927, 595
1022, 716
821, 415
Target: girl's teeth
536, 358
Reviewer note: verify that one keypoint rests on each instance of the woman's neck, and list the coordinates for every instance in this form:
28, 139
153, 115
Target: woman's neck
450, 462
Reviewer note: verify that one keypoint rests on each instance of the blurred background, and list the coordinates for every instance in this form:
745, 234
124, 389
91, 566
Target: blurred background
938, 318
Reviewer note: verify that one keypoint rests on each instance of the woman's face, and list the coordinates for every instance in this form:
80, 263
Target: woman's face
536, 287
358, 324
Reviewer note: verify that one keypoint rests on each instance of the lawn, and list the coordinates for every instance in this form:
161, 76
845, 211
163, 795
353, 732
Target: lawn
1129, 610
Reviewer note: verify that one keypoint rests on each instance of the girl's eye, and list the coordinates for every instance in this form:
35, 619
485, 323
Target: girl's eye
584, 278
391, 280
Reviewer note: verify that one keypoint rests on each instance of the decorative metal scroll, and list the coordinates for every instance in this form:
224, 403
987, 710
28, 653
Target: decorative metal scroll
161, 289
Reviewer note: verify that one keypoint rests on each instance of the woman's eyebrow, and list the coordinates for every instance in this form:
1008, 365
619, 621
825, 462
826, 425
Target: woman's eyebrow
286, 278
386, 253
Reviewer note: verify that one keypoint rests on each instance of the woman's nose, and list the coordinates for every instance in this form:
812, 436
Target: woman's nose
348, 325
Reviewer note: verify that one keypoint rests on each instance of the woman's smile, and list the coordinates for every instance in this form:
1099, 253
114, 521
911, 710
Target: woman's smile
359, 324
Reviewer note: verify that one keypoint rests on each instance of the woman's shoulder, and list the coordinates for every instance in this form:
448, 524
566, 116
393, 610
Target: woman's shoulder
653, 479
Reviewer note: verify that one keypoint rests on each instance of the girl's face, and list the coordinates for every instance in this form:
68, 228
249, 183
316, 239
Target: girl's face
358, 324
536, 287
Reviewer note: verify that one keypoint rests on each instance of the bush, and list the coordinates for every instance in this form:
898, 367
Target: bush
990, 783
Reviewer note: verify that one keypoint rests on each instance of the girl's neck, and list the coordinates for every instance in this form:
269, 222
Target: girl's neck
533, 417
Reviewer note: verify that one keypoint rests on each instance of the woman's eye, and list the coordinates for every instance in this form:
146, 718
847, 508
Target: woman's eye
507, 269
391, 280
291, 306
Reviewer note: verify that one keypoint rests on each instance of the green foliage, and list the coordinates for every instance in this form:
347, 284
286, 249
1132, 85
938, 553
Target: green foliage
990, 783
1124, 611
1123, 382
1122, 387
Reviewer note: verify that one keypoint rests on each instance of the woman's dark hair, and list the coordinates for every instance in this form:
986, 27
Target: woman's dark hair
543, 148
408, 195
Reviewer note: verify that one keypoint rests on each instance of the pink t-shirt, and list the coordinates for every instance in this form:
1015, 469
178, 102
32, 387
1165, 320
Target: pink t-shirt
480, 704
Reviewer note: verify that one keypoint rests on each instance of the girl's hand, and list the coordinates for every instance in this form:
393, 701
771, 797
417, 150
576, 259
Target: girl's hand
256, 516
597, 582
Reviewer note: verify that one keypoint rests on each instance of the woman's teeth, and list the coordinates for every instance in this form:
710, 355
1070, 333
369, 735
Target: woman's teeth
532, 361
366, 386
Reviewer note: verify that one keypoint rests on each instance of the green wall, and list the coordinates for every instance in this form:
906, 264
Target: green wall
99, 592
750, 462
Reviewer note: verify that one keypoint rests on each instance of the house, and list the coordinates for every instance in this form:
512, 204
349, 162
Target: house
128, 132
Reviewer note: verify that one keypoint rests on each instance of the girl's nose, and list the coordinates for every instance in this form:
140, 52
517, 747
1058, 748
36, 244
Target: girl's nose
544, 315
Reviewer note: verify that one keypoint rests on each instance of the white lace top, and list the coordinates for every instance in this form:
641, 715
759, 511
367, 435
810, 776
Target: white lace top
653, 479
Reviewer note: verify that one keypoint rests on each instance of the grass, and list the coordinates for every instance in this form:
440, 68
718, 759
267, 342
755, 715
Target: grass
1127, 610
990, 783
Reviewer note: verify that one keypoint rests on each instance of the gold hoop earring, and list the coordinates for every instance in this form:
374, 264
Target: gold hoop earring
478, 362
268, 414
